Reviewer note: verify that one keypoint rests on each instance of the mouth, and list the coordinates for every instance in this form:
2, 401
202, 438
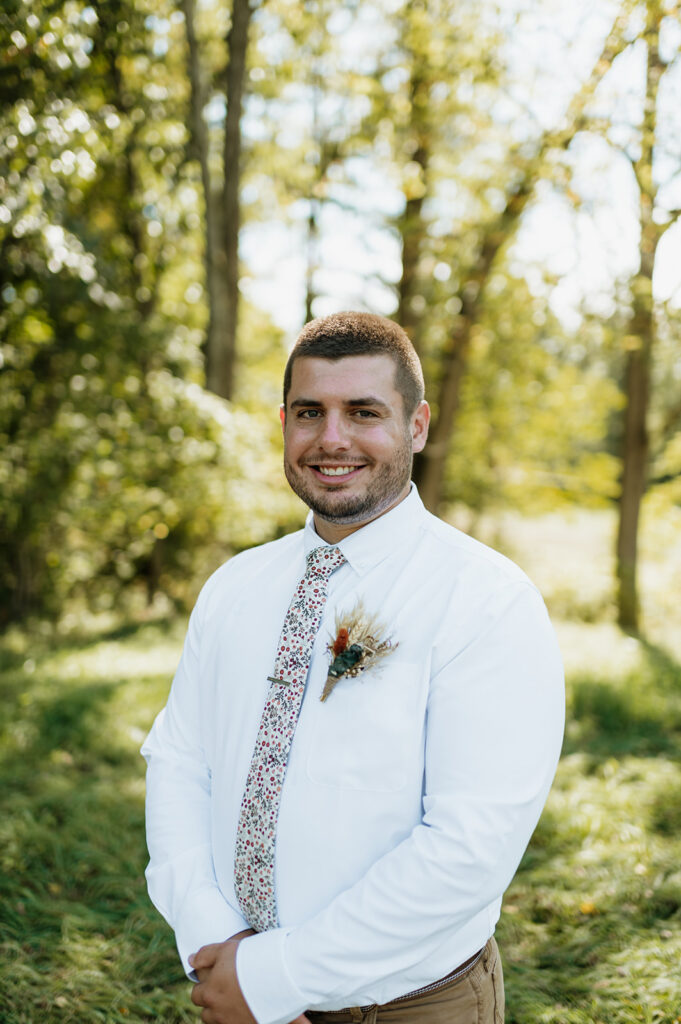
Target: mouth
336, 472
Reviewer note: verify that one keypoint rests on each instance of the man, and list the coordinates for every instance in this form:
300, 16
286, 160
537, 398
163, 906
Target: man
333, 835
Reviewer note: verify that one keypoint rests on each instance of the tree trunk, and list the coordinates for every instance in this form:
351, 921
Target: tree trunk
221, 378
314, 202
430, 465
412, 228
634, 470
131, 220
640, 340
215, 260
311, 257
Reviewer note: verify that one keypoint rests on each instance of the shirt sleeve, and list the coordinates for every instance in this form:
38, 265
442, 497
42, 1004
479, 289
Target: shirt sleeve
494, 730
180, 875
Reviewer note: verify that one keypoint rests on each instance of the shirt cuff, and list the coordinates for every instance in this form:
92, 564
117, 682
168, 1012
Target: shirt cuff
206, 918
264, 979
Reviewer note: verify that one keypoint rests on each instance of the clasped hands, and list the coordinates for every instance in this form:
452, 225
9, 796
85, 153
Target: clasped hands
218, 990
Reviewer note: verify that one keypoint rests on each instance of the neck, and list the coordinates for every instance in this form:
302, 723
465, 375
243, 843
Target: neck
332, 533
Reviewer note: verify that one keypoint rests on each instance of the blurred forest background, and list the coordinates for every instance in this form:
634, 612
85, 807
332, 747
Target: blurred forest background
183, 183
183, 186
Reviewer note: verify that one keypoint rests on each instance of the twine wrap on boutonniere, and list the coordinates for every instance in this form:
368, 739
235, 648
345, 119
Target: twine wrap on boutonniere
359, 644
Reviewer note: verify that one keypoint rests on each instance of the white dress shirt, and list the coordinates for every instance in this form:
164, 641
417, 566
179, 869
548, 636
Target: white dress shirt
410, 794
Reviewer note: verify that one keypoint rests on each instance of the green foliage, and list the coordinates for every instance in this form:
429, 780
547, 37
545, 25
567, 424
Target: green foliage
533, 417
116, 468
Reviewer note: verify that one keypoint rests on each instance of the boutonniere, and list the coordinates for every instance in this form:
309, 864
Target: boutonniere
358, 645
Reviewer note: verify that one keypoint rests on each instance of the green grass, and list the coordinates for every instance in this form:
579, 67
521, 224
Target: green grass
591, 928
79, 940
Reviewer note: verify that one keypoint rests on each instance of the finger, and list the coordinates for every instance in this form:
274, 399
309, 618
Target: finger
206, 956
198, 997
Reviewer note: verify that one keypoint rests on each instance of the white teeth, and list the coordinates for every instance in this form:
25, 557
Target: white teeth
336, 471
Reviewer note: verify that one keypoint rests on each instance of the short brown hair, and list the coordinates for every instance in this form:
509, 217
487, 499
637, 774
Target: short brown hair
360, 334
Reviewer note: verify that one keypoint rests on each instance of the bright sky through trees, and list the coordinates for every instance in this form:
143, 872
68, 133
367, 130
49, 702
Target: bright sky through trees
585, 241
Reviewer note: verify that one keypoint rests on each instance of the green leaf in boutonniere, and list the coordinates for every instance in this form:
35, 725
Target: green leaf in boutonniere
358, 645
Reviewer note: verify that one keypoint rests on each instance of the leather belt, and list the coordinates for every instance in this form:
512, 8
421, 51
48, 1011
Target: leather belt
458, 972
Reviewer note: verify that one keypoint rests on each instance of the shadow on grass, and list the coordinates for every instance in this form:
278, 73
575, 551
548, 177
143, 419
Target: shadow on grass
63, 774
638, 715
613, 723
664, 811
74, 721
666, 670
69, 730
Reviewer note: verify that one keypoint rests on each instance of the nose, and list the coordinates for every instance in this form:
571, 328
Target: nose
334, 434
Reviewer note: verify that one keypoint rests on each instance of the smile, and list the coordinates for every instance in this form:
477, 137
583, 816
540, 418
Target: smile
336, 471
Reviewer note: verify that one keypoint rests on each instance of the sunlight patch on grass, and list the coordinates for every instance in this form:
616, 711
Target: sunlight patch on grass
599, 649
570, 555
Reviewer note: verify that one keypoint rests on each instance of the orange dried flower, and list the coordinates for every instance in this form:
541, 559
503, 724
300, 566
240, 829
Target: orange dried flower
341, 642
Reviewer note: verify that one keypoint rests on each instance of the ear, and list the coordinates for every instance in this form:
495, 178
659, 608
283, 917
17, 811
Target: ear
419, 426
282, 416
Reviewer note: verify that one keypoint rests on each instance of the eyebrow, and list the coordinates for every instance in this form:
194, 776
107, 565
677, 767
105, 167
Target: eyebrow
313, 403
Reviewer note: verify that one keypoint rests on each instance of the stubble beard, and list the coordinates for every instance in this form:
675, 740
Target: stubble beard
381, 492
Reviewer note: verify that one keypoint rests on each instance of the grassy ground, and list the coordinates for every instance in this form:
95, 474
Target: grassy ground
79, 941
591, 929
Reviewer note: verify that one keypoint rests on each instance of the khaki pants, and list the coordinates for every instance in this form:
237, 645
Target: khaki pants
476, 997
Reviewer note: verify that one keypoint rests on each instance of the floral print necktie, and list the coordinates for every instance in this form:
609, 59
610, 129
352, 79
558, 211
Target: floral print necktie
256, 831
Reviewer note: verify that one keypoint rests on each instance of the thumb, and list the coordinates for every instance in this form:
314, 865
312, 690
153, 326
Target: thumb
301, 1020
205, 957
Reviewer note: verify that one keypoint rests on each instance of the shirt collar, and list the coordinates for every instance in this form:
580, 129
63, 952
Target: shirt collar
369, 545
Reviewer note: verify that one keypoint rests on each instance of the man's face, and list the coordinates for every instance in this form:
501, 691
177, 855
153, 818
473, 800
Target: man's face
347, 445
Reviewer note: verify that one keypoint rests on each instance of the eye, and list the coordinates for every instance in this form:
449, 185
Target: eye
309, 414
365, 414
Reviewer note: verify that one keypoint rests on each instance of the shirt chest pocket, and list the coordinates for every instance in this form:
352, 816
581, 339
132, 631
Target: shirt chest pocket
369, 733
